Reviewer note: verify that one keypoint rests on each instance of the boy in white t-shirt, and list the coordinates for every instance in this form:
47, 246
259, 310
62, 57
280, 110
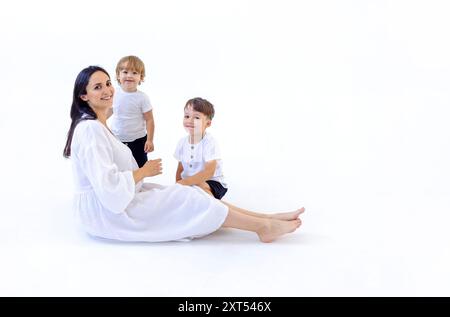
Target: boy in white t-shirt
198, 155
132, 121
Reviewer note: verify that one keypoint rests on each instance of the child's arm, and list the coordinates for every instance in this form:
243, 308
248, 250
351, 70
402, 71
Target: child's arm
179, 171
201, 177
150, 125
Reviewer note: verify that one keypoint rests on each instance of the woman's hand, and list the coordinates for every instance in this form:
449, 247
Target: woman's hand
152, 168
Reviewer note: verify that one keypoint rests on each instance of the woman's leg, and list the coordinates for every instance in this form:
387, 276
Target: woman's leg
280, 216
267, 229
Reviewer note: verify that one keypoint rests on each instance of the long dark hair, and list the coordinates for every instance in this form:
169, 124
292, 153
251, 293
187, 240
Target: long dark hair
80, 109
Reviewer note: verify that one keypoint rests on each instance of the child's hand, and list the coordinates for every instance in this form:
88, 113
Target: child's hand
148, 147
181, 182
152, 168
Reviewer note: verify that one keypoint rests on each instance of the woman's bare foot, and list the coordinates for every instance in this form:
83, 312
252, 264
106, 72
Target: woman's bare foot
288, 215
275, 228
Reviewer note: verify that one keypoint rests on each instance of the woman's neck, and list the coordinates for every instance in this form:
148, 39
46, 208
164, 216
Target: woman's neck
101, 115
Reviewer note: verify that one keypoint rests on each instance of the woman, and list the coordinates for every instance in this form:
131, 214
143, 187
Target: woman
113, 202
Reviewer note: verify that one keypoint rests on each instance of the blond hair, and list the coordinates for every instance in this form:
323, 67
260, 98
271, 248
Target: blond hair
130, 62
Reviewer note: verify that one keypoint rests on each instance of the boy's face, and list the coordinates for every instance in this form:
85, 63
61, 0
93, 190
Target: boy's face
129, 79
195, 122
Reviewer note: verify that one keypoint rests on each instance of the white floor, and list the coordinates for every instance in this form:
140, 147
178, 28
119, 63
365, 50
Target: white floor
356, 240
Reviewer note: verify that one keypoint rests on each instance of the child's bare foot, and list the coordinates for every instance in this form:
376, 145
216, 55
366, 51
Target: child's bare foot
288, 215
276, 228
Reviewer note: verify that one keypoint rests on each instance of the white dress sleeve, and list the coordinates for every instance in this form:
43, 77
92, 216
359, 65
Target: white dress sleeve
114, 189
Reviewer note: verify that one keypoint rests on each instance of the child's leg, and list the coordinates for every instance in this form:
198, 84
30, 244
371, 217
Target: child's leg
205, 187
137, 149
281, 216
266, 228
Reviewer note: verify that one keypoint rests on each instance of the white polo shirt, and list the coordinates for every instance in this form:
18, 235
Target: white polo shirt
127, 121
194, 156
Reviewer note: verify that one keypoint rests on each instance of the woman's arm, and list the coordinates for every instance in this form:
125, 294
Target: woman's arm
113, 187
200, 177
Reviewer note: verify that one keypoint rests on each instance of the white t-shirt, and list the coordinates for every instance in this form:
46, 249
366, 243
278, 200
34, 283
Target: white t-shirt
127, 121
194, 156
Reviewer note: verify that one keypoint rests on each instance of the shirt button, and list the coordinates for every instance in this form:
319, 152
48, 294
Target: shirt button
192, 147
192, 156
190, 165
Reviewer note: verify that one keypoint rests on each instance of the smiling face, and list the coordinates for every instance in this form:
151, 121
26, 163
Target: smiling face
99, 92
129, 78
195, 122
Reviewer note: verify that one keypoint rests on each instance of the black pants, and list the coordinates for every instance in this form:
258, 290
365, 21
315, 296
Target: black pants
137, 148
217, 189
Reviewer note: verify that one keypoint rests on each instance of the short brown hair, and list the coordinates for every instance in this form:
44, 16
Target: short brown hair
201, 105
131, 62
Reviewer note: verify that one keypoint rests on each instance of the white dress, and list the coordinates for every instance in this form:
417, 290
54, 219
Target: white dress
109, 204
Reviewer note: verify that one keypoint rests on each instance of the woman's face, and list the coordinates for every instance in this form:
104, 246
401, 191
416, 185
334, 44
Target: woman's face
99, 92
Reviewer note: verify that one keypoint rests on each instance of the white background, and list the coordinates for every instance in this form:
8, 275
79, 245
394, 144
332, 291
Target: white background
340, 106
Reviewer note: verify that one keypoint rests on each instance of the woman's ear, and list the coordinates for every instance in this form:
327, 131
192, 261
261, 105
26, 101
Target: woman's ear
208, 124
83, 97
